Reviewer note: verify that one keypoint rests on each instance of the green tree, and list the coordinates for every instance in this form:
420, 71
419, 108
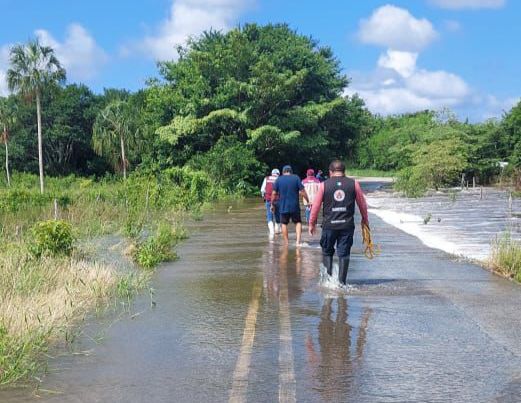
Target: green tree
230, 164
115, 129
434, 165
7, 120
395, 139
70, 116
441, 162
511, 129
275, 91
487, 145
33, 68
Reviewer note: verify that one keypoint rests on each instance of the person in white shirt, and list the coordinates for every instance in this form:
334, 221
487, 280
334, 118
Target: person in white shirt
273, 217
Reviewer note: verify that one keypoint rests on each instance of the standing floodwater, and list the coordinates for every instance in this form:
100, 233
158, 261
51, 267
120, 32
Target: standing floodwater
461, 223
242, 318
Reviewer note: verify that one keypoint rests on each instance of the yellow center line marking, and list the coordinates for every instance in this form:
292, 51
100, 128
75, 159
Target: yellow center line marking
287, 383
242, 368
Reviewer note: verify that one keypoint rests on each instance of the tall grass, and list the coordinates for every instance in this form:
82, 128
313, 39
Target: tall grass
42, 296
506, 256
40, 299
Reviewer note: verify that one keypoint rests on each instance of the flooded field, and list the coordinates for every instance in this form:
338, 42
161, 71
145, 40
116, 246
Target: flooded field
238, 318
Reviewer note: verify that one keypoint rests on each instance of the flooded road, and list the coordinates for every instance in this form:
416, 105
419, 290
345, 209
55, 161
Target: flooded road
238, 318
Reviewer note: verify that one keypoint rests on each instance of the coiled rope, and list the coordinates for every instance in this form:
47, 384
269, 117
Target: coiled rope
370, 249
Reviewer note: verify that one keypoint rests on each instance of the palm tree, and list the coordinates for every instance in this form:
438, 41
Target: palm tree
7, 120
33, 68
115, 128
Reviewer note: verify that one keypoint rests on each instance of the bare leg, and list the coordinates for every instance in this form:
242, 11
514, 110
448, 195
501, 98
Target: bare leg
298, 229
285, 233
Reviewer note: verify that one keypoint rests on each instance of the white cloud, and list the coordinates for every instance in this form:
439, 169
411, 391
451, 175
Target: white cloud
4, 63
386, 91
472, 4
494, 107
402, 62
78, 53
188, 18
399, 86
396, 28
3, 84
395, 100
438, 85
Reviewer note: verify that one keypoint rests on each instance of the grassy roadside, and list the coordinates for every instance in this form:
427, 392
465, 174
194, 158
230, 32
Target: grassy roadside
44, 293
505, 257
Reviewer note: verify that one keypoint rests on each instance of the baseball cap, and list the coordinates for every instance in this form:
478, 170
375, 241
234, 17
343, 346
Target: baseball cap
287, 168
275, 172
310, 172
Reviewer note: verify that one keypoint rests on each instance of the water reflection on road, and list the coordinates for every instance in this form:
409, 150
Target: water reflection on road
340, 352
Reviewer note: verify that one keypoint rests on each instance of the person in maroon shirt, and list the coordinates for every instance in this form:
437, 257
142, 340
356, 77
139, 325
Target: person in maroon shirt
338, 194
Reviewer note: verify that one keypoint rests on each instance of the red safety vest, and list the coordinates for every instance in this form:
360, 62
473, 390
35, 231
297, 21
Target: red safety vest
270, 180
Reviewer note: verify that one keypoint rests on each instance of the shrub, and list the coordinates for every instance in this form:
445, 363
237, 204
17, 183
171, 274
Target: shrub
157, 248
51, 238
411, 182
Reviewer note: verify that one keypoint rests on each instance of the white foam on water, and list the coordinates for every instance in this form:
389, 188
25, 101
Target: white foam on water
331, 283
436, 237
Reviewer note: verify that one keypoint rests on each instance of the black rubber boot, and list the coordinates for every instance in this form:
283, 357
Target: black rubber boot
343, 267
328, 262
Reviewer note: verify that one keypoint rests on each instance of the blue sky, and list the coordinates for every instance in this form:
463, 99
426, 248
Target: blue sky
401, 55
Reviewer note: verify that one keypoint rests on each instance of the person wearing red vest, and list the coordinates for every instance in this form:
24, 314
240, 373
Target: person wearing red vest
339, 195
311, 184
273, 218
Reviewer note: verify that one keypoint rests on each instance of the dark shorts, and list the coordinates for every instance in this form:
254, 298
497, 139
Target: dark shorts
342, 239
295, 217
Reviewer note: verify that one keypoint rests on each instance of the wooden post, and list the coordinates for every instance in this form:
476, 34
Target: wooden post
147, 201
462, 181
474, 182
55, 209
481, 193
510, 201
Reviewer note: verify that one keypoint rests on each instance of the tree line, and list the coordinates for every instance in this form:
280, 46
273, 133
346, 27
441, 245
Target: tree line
235, 105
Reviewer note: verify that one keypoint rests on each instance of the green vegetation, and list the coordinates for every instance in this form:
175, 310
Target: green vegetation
506, 256
432, 150
48, 281
158, 248
113, 130
433, 165
234, 104
34, 68
52, 237
370, 173
237, 104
